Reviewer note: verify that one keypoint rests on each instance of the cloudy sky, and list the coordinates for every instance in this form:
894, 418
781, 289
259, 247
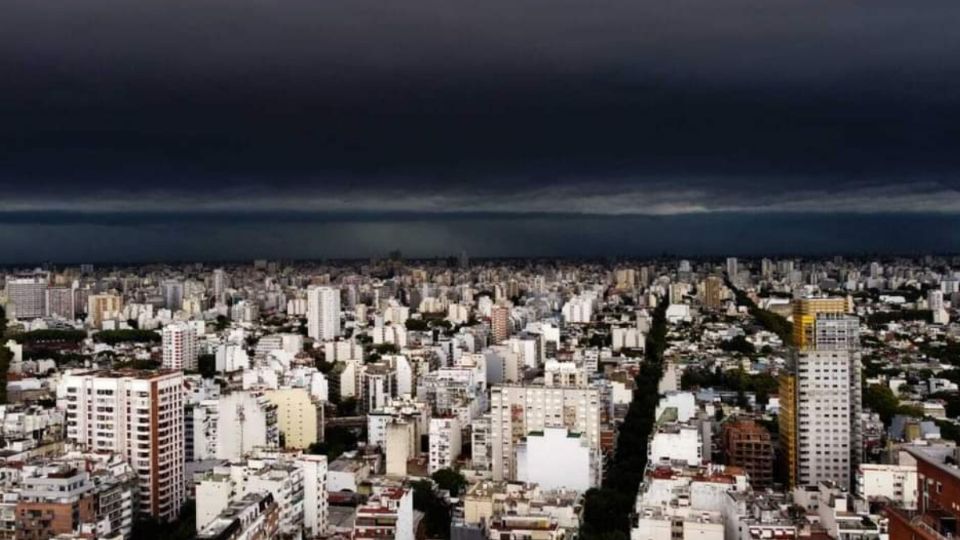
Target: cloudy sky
302, 128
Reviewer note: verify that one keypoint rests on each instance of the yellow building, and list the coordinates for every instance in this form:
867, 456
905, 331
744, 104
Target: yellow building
805, 314
103, 306
299, 417
787, 419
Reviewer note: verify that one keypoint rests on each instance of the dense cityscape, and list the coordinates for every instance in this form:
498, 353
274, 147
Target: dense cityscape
663, 399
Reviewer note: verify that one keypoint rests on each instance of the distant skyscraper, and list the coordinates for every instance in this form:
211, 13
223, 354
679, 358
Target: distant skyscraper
936, 306
500, 324
180, 347
732, 269
172, 291
713, 293
323, 313
26, 295
61, 302
766, 268
219, 284
101, 307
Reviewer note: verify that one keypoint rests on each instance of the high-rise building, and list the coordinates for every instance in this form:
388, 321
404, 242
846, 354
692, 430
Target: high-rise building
172, 291
805, 312
821, 395
180, 346
825, 414
500, 324
101, 307
61, 302
936, 306
733, 268
713, 293
323, 313
219, 285
26, 297
766, 268
138, 414
516, 411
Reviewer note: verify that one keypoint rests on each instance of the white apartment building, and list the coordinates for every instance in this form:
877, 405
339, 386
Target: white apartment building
315, 508
578, 310
323, 313
445, 443
180, 347
245, 421
231, 357
343, 350
516, 411
824, 412
138, 414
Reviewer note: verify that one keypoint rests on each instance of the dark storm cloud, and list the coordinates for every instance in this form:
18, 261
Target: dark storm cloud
691, 105
308, 127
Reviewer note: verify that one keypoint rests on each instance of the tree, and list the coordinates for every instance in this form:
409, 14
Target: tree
738, 344
417, 325
336, 441
450, 480
437, 512
221, 323
606, 510
207, 365
184, 528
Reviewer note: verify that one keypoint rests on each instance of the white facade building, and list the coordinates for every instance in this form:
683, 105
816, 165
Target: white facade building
180, 347
824, 410
323, 313
137, 414
445, 443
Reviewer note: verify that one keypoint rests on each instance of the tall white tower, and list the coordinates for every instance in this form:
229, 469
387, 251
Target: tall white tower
180, 347
323, 313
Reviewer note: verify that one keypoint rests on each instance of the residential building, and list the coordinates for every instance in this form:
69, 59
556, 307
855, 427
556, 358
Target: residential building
26, 296
299, 416
180, 347
323, 313
444, 440
138, 414
101, 307
516, 411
